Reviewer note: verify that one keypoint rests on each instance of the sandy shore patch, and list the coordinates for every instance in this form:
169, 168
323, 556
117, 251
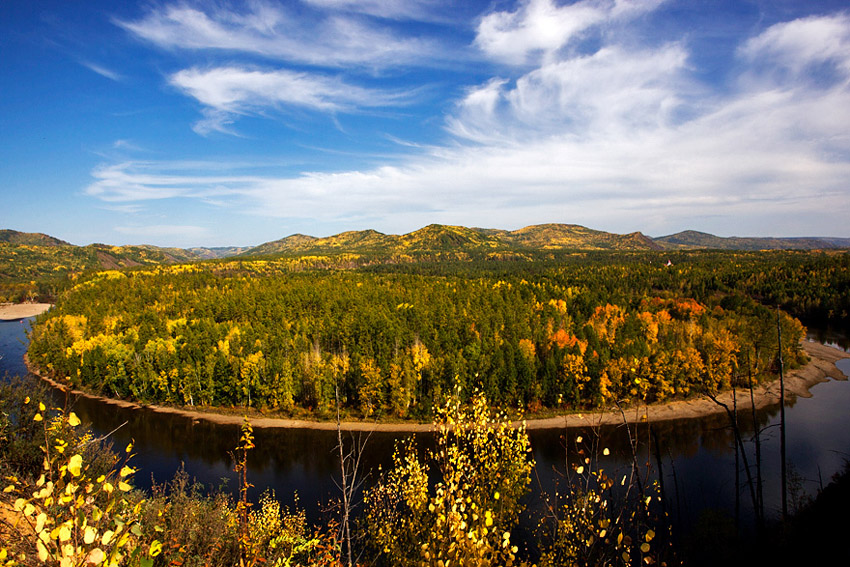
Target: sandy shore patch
13, 311
797, 383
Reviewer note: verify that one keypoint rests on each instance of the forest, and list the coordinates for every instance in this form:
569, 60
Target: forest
559, 331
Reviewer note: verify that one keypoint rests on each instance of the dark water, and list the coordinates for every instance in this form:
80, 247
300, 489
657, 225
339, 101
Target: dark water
697, 462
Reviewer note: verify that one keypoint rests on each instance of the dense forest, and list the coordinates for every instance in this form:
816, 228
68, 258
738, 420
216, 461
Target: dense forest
560, 330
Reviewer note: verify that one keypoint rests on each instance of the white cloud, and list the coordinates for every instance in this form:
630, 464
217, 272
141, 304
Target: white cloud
796, 50
144, 181
102, 71
540, 28
229, 91
611, 92
420, 10
334, 40
536, 26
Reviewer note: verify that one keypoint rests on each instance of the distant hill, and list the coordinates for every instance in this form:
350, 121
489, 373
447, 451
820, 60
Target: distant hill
691, 239
30, 238
28, 256
448, 238
33, 261
202, 253
572, 236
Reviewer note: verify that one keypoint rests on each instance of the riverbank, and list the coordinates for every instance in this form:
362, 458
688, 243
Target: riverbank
820, 368
15, 311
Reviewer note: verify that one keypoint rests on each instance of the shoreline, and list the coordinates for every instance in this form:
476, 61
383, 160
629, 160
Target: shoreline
15, 311
821, 368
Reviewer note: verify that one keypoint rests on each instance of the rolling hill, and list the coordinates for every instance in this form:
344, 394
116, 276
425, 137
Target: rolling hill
449, 238
28, 256
29, 238
691, 239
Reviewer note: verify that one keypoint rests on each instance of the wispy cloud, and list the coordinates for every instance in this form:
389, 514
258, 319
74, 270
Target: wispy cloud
417, 10
814, 49
539, 29
609, 93
324, 39
102, 71
134, 181
130, 209
230, 91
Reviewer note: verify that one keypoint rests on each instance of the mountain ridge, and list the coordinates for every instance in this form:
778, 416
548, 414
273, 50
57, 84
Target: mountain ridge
30, 255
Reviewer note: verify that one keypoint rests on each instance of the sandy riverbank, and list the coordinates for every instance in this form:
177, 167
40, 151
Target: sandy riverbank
13, 311
797, 383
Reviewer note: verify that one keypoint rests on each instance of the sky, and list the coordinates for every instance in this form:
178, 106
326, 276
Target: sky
190, 123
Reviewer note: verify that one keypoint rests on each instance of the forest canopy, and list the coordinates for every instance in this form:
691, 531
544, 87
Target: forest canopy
560, 331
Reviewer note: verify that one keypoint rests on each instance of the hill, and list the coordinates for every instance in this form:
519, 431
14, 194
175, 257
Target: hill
203, 253
692, 239
572, 236
30, 238
449, 238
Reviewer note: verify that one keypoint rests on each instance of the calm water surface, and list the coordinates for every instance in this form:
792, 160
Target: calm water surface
697, 462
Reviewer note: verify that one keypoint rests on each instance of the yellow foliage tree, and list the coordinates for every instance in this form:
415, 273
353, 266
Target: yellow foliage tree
484, 469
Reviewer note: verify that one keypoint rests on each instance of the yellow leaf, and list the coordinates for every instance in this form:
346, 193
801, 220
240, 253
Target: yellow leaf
126, 471
42, 551
107, 537
64, 533
95, 556
9, 488
129, 447
124, 487
644, 547
73, 420
605, 451
156, 548
649, 535
39, 522
37, 417
27, 400
74, 465
89, 535
41, 407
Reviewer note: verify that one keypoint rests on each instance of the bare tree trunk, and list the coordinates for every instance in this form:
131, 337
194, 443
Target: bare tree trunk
782, 421
737, 468
757, 438
734, 423
346, 504
349, 468
659, 464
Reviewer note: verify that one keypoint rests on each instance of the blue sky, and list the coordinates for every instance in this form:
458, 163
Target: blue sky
186, 123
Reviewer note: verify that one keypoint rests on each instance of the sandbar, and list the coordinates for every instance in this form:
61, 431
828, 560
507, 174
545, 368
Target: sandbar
14, 311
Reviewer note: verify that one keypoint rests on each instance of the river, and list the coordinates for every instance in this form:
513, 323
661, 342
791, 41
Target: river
697, 459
